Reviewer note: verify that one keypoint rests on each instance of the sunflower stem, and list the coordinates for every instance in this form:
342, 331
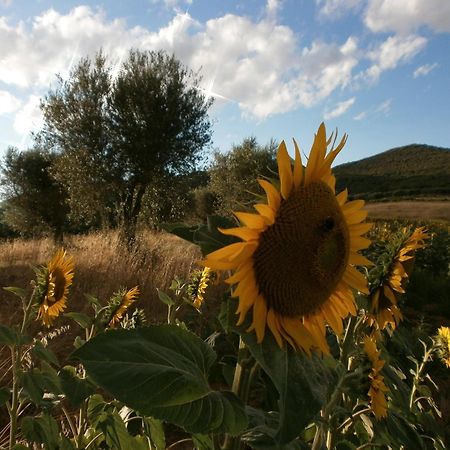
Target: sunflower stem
244, 373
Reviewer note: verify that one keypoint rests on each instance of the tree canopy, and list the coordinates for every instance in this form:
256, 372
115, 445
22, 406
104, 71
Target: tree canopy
118, 134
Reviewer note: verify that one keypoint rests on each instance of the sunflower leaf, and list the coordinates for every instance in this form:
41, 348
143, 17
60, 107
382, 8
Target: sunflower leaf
161, 371
302, 382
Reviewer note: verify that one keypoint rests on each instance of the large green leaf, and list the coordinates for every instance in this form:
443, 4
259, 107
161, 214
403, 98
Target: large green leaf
162, 371
206, 236
75, 388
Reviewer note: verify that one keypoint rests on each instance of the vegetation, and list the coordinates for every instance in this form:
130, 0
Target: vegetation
118, 135
412, 170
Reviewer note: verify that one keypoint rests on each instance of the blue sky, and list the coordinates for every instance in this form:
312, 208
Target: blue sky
376, 69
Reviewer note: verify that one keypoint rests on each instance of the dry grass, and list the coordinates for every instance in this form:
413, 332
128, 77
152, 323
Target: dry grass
102, 266
422, 210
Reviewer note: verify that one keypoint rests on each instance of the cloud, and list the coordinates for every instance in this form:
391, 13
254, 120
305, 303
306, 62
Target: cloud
424, 70
339, 109
5, 3
406, 16
170, 4
392, 52
384, 107
336, 8
8, 103
29, 117
362, 115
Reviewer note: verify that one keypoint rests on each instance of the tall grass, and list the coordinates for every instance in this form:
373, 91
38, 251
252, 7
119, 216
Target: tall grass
102, 266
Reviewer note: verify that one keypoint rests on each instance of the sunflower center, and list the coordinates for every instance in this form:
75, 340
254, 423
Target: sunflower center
301, 258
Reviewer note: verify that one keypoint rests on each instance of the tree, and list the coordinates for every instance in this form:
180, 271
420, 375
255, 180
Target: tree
35, 202
117, 135
233, 176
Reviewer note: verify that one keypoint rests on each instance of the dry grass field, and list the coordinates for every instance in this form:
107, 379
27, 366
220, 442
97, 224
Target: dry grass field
411, 209
102, 266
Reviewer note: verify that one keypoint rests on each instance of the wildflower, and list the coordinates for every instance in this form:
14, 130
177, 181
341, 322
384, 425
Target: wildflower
119, 305
383, 299
377, 388
54, 281
443, 344
295, 267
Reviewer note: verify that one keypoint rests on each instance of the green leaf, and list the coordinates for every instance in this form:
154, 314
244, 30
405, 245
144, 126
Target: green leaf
162, 371
207, 236
115, 431
155, 430
301, 381
43, 353
36, 382
75, 388
5, 395
18, 292
165, 298
20, 447
203, 442
81, 319
42, 430
8, 336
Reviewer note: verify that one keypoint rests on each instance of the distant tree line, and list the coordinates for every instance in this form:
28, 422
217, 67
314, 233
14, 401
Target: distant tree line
125, 150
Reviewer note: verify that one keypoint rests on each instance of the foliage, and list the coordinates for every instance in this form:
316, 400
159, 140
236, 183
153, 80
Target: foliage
151, 386
35, 202
233, 175
413, 170
121, 133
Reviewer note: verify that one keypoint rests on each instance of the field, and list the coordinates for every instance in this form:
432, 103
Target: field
419, 210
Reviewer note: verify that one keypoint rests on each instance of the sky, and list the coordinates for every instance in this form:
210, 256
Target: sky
378, 70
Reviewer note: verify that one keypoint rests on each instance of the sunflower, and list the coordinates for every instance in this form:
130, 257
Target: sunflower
124, 301
55, 280
295, 264
383, 299
443, 345
202, 284
377, 388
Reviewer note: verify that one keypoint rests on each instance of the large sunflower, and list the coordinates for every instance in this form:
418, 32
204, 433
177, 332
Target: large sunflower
383, 299
56, 279
295, 266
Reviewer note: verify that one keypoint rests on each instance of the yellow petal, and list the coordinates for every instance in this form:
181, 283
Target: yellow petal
284, 170
355, 279
253, 221
316, 155
359, 260
298, 168
244, 233
342, 197
267, 212
273, 327
259, 318
273, 196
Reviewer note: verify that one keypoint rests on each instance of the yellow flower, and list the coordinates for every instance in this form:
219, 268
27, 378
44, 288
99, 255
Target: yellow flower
201, 288
443, 339
57, 278
127, 299
377, 388
384, 309
295, 265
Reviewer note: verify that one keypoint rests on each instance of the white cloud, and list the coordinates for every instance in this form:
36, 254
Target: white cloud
8, 103
362, 115
336, 8
5, 3
424, 70
172, 3
339, 109
259, 64
29, 118
406, 16
392, 52
384, 107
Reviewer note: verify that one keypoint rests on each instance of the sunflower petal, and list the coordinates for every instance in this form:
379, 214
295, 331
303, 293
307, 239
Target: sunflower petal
284, 170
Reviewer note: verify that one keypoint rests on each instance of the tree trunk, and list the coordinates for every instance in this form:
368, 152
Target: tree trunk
130, 213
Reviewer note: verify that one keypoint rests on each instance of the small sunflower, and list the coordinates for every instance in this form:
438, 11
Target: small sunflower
295, 267
124, 300
377, 388
383, 299
200, 288
443, 345
55, 280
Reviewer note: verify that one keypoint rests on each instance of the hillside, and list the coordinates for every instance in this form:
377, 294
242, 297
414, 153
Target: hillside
409, 171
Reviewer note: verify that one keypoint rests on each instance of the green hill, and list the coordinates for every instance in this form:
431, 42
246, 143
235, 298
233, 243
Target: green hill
410, 171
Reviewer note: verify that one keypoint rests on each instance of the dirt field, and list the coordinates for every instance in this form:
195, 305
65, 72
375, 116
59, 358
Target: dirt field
426, 210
